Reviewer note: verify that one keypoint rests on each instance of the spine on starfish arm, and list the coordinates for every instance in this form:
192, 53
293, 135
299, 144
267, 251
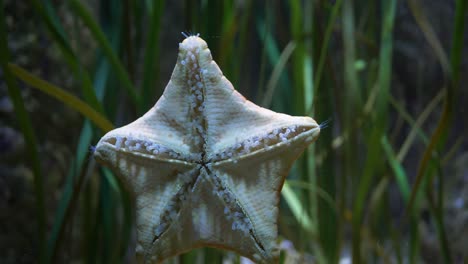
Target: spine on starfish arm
188, 34
325, 123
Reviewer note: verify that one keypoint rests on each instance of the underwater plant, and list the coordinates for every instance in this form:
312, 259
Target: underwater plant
384, 184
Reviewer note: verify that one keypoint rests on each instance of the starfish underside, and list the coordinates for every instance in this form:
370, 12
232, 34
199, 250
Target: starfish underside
205, 165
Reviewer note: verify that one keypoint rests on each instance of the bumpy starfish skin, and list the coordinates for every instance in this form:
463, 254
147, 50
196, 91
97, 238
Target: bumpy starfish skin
205, 165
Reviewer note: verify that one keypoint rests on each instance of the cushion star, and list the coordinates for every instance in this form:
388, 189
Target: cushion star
205, 165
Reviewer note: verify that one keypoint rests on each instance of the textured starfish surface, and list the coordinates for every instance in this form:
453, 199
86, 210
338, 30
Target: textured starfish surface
205, 165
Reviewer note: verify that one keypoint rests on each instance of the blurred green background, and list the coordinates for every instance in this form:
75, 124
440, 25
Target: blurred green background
387, 181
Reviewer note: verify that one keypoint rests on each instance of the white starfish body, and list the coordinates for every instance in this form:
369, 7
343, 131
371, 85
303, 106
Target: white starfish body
205, 165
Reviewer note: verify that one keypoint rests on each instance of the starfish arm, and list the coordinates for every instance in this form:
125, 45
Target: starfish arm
205, 221
156, 134
275, 136
138, 168
256, 181
159, 189
133, 140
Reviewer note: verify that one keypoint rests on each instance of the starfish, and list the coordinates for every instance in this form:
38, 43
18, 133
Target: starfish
205, 165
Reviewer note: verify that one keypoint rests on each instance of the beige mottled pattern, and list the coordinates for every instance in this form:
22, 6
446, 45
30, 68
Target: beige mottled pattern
205, 165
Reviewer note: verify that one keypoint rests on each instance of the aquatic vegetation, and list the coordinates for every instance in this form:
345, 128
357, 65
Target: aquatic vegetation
379, 184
